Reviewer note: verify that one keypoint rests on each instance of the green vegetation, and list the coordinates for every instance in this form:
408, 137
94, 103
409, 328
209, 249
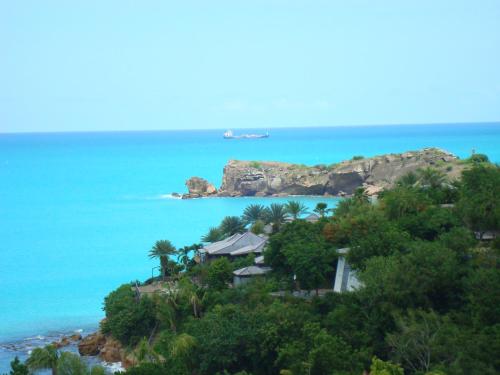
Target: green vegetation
295, 209
254, 213
18, 368
358, 157
477, 159
255, 164
428, 304
321, 209
162, 250
60, 363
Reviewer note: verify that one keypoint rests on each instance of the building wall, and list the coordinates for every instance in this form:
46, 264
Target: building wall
345, 277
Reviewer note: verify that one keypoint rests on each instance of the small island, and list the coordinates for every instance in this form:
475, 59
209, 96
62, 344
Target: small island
263, 178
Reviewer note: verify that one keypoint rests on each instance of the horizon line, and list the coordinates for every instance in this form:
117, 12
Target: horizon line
495, 122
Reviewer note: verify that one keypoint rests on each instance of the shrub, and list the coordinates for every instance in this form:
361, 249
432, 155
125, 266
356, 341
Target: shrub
255, 164
358, 157
128, 319
220, 273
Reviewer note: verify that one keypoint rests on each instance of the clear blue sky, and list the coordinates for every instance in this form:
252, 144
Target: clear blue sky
124, 65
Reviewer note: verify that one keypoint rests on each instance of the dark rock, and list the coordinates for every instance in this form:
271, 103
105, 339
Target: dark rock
92, 344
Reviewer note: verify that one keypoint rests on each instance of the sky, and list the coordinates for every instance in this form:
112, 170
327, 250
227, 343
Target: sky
95, 65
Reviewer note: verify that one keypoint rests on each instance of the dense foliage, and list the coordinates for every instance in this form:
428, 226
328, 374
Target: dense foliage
428, 304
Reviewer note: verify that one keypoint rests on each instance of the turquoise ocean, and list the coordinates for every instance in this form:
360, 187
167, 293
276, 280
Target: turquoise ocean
79, 211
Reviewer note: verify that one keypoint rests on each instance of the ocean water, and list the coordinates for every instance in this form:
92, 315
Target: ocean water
79, 211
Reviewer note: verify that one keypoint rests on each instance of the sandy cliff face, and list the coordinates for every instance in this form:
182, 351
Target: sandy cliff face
245, 178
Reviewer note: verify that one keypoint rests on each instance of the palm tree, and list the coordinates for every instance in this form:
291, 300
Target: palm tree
182, 345
162, 249
431, 177
295, 209
43, 358
408, 180
276, 215
182, 349
231, 225
214, 234
321, 209
145, 353
253, 213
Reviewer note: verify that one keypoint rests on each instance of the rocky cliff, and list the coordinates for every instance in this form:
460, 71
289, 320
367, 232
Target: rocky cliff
251, 178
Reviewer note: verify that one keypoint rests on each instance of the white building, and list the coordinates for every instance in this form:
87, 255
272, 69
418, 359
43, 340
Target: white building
345, 277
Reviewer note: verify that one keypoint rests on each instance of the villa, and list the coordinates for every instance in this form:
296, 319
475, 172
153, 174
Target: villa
239, 244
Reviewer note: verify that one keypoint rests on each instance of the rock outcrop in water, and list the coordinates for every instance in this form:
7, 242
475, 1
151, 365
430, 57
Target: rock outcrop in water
251, 178
199, 187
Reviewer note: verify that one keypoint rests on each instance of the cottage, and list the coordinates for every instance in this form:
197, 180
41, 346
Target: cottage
345, 277
245, 274
239, 244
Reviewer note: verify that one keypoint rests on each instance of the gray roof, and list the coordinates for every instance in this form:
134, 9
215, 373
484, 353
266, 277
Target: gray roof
252, 271
344, 250
312, 218
259, 260
237, 244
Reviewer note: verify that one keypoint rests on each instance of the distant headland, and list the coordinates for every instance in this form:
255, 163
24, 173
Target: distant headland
268, 178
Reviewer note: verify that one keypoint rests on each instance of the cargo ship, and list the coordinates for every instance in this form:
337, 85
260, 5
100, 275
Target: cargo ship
229, 135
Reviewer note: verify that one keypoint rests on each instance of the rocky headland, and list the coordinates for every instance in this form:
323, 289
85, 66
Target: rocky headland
268, 178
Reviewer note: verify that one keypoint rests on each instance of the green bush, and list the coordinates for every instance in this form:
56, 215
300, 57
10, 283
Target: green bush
128, 318
220, 273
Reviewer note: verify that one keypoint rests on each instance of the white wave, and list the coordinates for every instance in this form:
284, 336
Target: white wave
38, 337
169, 196
114, 367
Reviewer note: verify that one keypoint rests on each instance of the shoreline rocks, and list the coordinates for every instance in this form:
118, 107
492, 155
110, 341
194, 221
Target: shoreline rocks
277, 179
106, 347
67, 340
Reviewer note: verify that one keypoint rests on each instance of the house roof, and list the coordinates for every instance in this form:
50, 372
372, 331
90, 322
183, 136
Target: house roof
251, 271
239, 244
259, 260
311, 218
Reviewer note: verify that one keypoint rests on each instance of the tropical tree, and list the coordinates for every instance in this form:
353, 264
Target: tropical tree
430, 177
145, 353
168, 308
276, 215
253, 213
321, 209
43, 358
183, 253
18, 368
71, 364
181, 350
479, 202
214, 234
258, 227
295, 209
220, 273
408, 180
162, 249
231, 225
